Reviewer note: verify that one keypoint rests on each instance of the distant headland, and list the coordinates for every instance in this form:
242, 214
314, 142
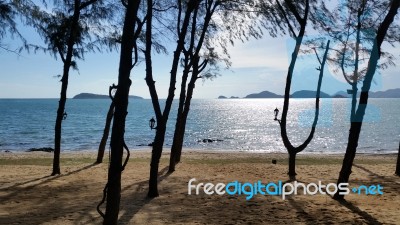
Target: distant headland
96, 96
223, 97
391, 93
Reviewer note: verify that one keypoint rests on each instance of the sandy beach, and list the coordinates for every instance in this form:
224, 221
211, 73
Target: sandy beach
29, 196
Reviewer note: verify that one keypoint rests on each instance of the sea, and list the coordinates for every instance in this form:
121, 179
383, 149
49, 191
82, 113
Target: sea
245, 125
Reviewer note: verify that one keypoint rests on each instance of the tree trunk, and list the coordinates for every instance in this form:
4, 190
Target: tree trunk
290, 148
161, 120
57, 130
356, 125
353, 102
398, 163
355, 72
179, 134
155, 159
185, 99
64, 86
174, 158
103, 142
292, 166
180, 139
162, 117
121, 107
186, 109
299, 39
117, 145
352, 144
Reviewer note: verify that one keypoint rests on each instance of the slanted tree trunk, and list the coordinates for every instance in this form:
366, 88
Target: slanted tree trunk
185, 113
64, 84
178, 138
121, 107
155, 159
191, 60
161, 124
180, 127
290, 148
176, 145
354, 81
103, 142
282, 122
355, 127
398, 163
162, 116
356, 62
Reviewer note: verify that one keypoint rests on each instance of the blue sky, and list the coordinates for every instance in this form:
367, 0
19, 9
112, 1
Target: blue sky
257, 65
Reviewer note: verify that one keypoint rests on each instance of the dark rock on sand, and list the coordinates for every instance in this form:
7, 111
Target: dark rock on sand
41, 150
142, 145
207, 140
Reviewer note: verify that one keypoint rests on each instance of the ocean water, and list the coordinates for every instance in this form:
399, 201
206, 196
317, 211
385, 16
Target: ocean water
238, 124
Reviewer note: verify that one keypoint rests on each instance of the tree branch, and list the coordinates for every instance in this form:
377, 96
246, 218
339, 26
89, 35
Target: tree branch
124, 3
9, 50
86, 4
315, 51
61, 54
287, 20
203, 65
178, 25
293, 9
163, 10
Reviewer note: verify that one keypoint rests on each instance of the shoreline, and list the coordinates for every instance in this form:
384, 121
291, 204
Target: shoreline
201, 150
214, 157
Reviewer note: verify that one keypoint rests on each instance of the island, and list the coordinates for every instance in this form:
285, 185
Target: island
390, 93
96, 96
309, 94
224, 97
264, 94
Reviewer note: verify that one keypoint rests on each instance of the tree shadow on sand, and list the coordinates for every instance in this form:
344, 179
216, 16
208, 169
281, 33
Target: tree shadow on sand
138, 199
389, 183
375, 175
50, 200
366, 216
309, 219
23, 183
45, 179
175, 206
312, 219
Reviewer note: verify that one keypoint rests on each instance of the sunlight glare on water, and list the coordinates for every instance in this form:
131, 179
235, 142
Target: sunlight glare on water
231, 124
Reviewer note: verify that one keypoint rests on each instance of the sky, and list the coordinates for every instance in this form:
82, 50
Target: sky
257, 65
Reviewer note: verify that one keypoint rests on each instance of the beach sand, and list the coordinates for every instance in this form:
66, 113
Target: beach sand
29, 196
